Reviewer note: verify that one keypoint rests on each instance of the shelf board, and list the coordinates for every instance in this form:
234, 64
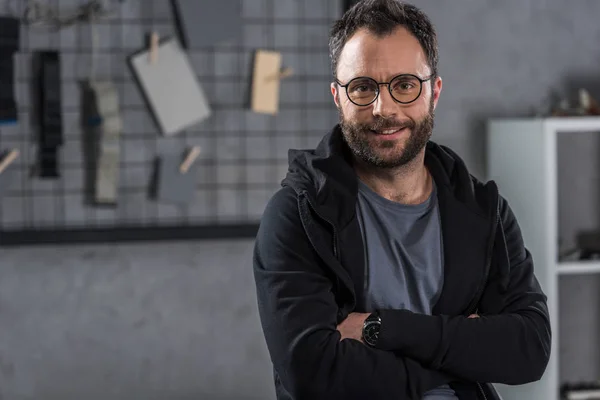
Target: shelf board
574, 124
579, 267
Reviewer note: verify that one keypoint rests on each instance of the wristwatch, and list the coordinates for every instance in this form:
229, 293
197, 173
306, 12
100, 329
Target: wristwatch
371, 327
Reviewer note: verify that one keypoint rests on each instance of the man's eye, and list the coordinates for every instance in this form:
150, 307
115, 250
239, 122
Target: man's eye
404, 86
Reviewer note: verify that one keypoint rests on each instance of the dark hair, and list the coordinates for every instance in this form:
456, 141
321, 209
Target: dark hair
382, 17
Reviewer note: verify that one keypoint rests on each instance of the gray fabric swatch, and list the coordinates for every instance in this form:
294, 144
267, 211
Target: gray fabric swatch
173, 186
204, 23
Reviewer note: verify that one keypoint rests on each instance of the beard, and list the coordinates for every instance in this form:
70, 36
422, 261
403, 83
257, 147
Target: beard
385, 153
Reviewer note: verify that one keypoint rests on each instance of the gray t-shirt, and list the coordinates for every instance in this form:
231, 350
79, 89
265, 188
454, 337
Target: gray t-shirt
404, 258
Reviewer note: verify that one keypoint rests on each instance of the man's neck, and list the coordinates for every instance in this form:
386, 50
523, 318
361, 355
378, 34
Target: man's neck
408, 184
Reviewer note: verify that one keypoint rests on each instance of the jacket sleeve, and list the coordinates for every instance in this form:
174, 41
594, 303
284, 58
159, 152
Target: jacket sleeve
298, 314
509, 343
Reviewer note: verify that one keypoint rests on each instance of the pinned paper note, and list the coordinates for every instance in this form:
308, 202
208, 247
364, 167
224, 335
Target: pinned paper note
266, 81
170, 86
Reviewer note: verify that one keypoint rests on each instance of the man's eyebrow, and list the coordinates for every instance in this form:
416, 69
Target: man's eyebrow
390, 77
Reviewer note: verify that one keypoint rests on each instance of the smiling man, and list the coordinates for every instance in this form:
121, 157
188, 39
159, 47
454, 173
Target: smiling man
383, 269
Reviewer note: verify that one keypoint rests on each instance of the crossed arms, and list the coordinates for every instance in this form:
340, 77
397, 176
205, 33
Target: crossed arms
418, 352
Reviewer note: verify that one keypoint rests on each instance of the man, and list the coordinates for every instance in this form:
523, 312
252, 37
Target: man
383, 269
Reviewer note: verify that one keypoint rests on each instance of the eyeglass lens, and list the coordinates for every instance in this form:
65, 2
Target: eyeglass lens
404, 88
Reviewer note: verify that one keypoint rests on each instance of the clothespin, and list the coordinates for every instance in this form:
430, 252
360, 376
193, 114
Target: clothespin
154, 42
189, 159
285, 73
8, 159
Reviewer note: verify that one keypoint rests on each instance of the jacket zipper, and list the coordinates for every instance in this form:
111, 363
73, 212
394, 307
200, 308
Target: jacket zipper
484, 397
487, 271
473, 308
335, 247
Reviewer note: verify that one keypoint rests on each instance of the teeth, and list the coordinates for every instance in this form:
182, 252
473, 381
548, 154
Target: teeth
389, 131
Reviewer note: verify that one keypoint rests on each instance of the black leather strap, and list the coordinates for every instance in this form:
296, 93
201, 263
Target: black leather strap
48, 162
9, 45
50, 102
51, 126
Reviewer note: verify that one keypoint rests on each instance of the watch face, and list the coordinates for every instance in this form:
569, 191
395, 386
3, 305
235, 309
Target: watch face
371, 332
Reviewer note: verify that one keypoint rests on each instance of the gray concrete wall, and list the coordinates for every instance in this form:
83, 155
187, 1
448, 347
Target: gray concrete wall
160, 321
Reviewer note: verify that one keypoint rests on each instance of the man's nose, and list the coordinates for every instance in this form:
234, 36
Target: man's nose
385, 106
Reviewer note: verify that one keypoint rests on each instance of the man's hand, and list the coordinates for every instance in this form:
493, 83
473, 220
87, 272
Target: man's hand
473, 316
351, 327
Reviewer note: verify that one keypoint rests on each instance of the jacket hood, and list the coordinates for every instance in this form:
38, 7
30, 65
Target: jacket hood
326, 175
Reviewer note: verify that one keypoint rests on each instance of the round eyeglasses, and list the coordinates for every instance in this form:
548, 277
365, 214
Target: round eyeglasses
404, 88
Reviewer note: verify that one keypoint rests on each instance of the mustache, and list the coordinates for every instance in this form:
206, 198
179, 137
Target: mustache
383, 123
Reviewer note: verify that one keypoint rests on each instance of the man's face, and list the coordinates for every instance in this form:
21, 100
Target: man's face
386, 133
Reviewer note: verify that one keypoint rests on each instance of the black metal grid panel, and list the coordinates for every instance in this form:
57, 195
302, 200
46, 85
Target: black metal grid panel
244, 154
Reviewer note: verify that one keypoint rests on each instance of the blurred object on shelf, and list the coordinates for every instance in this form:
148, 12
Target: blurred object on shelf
589, 241
563, 109
574, 254
589, 246
578, 254
580, 391
588, 106
586, 248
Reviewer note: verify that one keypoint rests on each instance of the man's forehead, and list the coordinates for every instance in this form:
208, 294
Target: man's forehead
397, 52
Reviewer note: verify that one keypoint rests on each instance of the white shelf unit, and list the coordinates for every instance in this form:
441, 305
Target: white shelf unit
522, 159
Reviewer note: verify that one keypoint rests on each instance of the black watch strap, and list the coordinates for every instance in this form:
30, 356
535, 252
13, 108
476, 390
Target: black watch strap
371, 328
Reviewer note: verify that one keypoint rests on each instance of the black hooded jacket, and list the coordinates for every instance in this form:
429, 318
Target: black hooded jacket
309, 272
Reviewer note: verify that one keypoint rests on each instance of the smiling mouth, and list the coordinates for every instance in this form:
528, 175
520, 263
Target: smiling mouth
389, 131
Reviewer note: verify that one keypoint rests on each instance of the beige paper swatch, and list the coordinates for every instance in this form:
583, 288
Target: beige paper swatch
266, 82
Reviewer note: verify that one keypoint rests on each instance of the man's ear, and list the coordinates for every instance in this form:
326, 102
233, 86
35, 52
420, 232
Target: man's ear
335, 94
437, 90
